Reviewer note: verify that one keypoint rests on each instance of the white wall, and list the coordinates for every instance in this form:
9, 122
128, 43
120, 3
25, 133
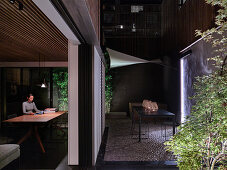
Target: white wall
97, 105
73, 133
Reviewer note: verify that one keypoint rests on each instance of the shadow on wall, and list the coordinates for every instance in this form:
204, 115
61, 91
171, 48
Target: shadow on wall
135, 83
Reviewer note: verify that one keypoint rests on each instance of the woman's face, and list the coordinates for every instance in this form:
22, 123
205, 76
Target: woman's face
30, 99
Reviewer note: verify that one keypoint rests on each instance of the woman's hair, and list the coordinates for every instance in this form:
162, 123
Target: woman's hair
30, 94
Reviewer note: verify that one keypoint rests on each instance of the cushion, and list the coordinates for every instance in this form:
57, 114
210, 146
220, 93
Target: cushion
8, 153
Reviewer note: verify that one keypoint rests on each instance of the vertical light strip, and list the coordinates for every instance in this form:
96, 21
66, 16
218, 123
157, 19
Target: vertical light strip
182, 88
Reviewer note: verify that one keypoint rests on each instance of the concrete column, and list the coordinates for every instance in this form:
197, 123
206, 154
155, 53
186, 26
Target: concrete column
73, 134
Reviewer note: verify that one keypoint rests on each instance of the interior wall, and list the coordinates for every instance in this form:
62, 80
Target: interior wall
135, 83
41, 95
17, 83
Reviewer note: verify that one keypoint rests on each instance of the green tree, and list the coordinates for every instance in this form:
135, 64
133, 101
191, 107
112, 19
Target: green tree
108, 90
108, 84
201, 141
60, 78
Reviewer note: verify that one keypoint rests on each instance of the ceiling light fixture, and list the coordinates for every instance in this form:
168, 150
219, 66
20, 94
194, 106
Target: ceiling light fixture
12, 1
44, 85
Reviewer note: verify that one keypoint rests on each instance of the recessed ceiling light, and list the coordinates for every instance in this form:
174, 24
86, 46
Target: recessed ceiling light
12, 1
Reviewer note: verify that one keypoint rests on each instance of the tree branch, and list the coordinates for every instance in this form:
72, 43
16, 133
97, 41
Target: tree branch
223, 64
219, 155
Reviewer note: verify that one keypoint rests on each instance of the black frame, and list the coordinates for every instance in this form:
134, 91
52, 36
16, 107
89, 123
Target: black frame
85, 105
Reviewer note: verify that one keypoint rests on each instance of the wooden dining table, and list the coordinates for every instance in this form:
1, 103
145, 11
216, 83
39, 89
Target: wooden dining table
34, 121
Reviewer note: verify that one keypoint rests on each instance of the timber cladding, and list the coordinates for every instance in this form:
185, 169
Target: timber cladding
27, 34
179, 23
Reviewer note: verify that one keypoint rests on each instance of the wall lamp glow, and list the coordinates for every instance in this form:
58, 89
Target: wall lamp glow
184, 96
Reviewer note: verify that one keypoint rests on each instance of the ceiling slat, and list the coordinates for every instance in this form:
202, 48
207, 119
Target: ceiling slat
26, 34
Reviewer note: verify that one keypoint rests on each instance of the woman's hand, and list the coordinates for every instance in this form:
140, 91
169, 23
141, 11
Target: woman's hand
31, 113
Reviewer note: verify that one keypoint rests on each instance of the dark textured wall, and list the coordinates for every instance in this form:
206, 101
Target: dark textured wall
178, 31
195, 65
145, 41
145, 48
179, 23
171, 85
135, 83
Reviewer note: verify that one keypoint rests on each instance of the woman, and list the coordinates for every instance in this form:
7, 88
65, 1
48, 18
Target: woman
29, 106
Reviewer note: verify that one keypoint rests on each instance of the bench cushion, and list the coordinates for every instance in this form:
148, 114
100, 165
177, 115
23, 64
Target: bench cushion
8, 153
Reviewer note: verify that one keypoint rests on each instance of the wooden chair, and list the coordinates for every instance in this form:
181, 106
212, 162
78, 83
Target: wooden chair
61, 123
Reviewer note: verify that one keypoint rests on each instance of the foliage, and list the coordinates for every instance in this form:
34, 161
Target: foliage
108, 86
60, 78
202, 140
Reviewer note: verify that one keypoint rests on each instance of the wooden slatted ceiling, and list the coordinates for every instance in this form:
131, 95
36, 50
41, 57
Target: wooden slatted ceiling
27, 34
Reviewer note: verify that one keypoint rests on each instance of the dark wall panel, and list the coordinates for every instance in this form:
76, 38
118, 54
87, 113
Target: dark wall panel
178, 31
85, 105
135, 83
179, 23
171, 85
145, 48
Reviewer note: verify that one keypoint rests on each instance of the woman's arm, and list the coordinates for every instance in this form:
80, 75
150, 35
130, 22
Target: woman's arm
35, 108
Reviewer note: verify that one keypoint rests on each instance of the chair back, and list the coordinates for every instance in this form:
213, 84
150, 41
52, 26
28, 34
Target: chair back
131, 105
